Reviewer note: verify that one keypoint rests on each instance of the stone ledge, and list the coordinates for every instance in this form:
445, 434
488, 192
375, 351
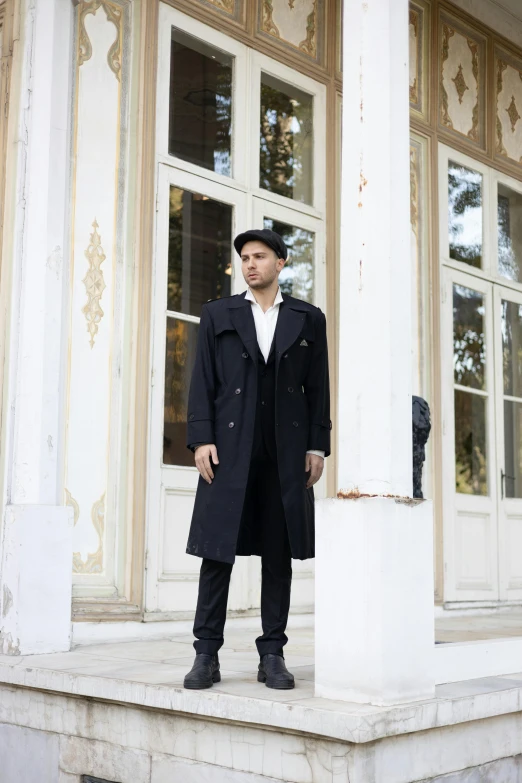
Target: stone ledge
454, 704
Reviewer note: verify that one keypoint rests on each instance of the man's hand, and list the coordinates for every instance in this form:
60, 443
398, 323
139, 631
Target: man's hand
315, 465
203, 455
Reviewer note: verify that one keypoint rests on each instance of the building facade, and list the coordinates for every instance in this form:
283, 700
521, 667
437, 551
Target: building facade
136, 138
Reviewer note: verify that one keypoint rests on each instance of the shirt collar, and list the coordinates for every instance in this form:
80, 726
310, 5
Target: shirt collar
251, 298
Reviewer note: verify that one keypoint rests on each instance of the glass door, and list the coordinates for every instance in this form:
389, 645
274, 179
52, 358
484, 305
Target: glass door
470, 518
240, 144
481, 254
508, 321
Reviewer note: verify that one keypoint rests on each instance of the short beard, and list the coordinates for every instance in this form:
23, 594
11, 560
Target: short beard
262, 284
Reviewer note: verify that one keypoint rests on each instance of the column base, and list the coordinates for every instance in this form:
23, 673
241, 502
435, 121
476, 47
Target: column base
374, 615
36, 580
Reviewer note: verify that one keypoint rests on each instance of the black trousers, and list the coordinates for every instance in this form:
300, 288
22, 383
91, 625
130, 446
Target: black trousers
264, 490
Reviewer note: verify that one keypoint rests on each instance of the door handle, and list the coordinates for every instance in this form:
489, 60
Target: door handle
504, 476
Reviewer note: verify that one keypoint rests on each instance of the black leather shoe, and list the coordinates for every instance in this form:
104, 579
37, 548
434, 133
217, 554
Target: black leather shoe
273, 672
204, 673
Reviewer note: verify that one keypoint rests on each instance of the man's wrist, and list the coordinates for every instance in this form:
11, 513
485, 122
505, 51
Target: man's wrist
317, 452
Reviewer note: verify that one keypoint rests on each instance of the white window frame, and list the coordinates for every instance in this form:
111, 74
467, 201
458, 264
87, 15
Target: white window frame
267, 208
262, 64
168, 18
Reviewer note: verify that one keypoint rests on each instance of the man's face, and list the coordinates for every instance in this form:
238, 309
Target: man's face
260, 264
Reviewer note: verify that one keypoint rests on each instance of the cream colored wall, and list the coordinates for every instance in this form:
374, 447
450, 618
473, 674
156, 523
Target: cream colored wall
502, 16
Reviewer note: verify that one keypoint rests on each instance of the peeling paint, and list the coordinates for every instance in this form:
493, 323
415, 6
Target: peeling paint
54, 261
50, 442
7, 600
8, 645
356, 494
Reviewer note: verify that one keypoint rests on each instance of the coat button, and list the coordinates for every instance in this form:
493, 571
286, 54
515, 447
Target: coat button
295, 424
244, 355
231, 424
191, 416
238, 391
290, 389
285, 356
263, 402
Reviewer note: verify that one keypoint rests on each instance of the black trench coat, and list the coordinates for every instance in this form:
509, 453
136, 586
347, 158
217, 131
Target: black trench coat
222, 407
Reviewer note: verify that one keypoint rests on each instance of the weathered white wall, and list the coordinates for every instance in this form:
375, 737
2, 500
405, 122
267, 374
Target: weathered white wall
98, 290
35, 420
127, 744
28, 756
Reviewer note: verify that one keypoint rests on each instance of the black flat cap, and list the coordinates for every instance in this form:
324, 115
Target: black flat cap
270, 238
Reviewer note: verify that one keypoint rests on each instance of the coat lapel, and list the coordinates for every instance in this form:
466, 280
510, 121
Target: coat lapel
289, 324
290, 321
243, 321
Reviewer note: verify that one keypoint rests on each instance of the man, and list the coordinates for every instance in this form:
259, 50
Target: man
259, 423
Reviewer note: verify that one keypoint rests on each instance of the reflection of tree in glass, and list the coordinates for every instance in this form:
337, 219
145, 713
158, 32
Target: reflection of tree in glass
470, 444
511, 329
175, 377
469, 345
179, 358
509, 223
199, 262
465, 214
174, 284
200, 106
297, 276
286, 138
277, 142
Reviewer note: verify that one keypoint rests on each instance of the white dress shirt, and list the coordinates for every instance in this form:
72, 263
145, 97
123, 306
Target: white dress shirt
265, 323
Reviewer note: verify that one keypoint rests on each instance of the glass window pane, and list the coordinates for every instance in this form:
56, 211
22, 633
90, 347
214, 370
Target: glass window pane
200, 238
180, 354
511, 328
200, 110
287, 138
297, 276
465, 214
509, 221
513, 449
471, 476
469, 345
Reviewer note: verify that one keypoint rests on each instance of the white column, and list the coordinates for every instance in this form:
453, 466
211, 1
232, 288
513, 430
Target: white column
37, 527
374, 580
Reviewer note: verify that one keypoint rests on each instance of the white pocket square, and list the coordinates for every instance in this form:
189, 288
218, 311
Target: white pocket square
303, 342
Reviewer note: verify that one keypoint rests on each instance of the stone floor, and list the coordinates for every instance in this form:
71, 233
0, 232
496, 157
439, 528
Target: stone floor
164, 663
466, 726
463, 627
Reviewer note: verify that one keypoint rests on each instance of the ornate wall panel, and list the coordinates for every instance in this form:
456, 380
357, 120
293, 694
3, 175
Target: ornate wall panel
508, 107
462, 69
96, 284
419, 29
231, 9
296, 25
419, 253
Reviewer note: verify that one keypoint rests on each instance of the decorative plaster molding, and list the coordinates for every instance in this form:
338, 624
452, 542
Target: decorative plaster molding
70, 501
501, 67
224, 5
94, 562
414, 188
114, 15
268, 22
309, 44
459, 81
94, 283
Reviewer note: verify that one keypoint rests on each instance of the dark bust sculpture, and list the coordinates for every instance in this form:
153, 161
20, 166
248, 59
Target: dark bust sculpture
421, 433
